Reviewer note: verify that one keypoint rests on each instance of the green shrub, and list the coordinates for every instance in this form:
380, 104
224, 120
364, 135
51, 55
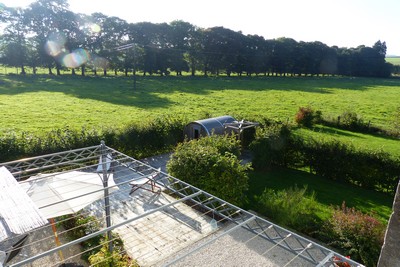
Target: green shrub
209, 163
338, 161
80, 225
273, 147
154, 137
358, 235
350, 120
291, 208
306, 116
118, 257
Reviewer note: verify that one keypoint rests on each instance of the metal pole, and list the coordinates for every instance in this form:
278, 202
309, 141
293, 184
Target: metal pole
106, 197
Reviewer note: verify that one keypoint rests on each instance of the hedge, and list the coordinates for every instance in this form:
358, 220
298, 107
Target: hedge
276, 145
137, 140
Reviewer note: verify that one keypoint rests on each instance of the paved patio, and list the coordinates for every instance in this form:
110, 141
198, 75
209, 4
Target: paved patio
157, 235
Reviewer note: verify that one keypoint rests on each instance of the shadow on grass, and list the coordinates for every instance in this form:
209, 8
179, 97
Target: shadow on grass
119, 90
334, 131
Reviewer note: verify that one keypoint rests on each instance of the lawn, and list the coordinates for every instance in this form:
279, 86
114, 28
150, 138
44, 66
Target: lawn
393, 60
328, 193
42, 103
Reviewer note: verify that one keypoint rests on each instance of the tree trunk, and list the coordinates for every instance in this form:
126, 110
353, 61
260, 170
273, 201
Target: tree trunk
50, 71
73, 72
23, 70
105, 72
83, 70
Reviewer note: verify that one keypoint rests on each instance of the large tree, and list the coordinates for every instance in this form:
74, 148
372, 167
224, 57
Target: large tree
14, 43
46, 20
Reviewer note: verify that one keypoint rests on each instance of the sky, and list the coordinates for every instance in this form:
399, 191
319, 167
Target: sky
344, 23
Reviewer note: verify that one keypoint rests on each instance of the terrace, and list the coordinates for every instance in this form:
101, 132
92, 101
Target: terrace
175, 224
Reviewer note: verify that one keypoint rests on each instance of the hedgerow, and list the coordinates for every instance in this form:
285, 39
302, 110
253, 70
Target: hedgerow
137, 140
278, 146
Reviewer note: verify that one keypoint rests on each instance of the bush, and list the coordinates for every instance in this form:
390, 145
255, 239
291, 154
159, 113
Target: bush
358, 235
291, 208
306, 116
350, 120
273, 147
80, 225
118, 257
210, 164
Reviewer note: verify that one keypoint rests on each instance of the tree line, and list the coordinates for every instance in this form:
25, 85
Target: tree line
47, 34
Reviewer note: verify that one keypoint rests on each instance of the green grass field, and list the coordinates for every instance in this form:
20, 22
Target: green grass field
393, 60
43, 103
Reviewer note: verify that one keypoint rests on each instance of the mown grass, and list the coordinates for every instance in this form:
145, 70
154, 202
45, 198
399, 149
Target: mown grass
327, 192
42, 103
393, 60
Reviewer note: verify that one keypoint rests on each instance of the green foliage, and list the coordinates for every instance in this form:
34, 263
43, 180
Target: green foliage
79, 225
351, 121
95, 249
306, 116
290, 207
396, 120
373, 169
272, 147
356, 234
342, 162
209, 163
157, 136
118, 257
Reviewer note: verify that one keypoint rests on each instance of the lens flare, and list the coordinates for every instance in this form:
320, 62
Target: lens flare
76, 59
53, 48
55, 44
95, 28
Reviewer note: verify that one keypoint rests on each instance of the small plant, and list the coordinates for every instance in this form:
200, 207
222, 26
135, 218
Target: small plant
358, 235
307, 117
118, 257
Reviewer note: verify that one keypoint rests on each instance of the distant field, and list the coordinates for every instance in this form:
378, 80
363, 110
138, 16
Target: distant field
393, 60
43, 103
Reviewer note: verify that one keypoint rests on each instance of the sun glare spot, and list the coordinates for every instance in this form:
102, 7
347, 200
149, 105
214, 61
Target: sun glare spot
75, 59
55, 44
53, 48
95, 28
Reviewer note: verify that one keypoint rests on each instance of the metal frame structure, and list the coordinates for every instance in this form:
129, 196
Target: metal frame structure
310, 252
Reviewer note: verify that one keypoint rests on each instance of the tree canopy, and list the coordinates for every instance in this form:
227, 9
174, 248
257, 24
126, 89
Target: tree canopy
47, 34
